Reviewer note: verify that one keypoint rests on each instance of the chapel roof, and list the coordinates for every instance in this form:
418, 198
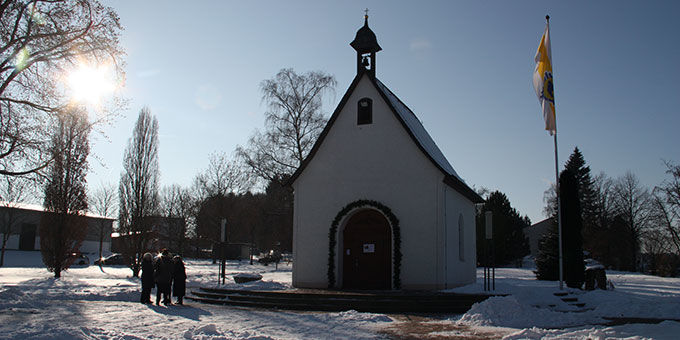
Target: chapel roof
417, 130
413, 127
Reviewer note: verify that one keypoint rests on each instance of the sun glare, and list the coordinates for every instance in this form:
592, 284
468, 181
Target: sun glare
90, 84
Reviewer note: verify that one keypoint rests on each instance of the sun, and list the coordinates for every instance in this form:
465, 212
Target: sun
90, 84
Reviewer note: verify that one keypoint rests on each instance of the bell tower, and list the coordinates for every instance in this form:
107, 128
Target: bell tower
366, 45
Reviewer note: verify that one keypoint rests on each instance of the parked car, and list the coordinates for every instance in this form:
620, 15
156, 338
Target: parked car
287, 257
113, 260
77, 259
271, 257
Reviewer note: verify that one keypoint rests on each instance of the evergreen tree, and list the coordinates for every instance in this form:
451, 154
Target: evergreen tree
509, 242
572, 242
547, 262
587, 196
586, 192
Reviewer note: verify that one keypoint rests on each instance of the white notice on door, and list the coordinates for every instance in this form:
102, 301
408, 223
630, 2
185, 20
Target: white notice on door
369, 248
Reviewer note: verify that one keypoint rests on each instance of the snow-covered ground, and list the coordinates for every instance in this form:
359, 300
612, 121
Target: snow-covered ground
533, 308
87, 303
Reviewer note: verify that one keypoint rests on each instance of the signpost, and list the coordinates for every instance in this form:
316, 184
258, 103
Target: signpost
221, 251
489, 273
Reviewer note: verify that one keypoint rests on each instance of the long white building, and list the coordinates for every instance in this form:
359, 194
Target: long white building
24, 221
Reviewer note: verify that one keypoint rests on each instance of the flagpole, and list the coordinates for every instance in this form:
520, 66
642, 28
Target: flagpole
559, 208
557, 192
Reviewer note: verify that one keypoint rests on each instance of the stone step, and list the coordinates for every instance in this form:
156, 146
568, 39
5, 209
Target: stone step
293, 300
364, 295
383, 302
393, 308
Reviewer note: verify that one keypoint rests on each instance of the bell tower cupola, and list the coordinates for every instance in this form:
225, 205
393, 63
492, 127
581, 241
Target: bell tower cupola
366, 45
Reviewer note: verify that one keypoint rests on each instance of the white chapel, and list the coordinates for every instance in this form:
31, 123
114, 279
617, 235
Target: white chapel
377, 205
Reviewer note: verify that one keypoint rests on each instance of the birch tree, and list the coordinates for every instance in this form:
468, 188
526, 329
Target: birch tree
293, 122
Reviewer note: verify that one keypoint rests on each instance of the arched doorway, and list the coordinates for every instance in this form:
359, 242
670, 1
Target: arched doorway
367, 249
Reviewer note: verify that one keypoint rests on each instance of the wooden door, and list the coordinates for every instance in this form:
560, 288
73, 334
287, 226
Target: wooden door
367, 252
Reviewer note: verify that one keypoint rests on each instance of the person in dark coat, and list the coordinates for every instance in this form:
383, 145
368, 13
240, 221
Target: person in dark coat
163, 275
147, 278
179, 279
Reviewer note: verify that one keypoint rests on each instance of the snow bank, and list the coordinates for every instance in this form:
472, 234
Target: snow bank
507, 311
532, 303
213, 332
366, 318
667, 330
205, 274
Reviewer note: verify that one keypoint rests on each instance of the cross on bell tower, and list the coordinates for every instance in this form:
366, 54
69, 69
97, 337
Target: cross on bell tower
366, 45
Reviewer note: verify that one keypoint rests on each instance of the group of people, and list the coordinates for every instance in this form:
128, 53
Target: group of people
164, 272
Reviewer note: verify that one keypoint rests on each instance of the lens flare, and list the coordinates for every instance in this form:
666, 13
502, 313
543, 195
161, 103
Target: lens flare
91, 83
21, 59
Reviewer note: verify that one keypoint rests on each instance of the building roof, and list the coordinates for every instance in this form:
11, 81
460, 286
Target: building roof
411, 124
417, 130
40, 208
545, 223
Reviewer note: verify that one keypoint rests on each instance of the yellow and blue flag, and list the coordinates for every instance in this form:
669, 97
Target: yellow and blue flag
543, 81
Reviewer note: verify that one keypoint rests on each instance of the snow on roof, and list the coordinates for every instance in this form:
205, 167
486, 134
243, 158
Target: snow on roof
36, 207
418, 130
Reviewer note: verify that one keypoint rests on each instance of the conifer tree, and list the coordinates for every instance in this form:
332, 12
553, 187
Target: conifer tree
547, 262
509, 242
572, 242
587, 196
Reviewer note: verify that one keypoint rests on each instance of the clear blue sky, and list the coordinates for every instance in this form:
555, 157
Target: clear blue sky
464, 68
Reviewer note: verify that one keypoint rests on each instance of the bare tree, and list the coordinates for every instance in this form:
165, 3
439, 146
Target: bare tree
103, 203
602, 212
178, 202
222, 177
604, 202
550, 200
40, 40
655, 244
667, 205
633, 204
138, 189
293, 123
14, 191
63, 226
